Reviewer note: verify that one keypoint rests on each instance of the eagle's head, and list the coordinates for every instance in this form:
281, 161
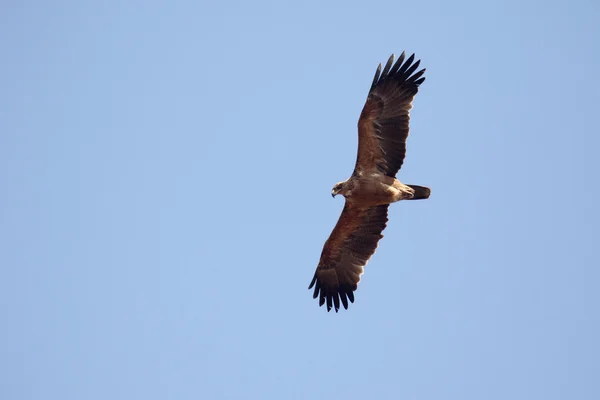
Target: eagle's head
338, 188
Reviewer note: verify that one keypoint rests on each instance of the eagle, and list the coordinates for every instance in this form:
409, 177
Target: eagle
383, 128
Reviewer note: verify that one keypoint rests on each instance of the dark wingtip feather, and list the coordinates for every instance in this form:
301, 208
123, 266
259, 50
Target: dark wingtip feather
316, 292
314, 279
387, 67
336, 301
402, 56
416, 76
407, 64
398, 64
412, 68
399, 70
344, 300
376, 78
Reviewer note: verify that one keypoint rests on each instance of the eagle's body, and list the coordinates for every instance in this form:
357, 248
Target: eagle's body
382, 133
373, 188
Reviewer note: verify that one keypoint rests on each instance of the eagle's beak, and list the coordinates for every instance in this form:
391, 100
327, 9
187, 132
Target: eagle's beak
333, 194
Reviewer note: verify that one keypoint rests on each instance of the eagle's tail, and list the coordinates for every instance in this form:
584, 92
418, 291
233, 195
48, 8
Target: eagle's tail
421, 192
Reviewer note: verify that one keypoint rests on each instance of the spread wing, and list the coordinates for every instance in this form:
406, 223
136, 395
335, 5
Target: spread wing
384, 122
346, 252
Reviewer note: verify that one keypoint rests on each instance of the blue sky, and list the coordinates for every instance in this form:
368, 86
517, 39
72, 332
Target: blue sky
166, 170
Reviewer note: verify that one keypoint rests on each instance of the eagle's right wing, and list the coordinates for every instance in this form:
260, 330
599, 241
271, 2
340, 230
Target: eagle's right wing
346, 252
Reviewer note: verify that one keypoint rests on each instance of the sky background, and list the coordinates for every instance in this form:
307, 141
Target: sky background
166, 170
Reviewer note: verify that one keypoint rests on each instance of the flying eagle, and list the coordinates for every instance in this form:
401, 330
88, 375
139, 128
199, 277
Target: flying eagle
382, 132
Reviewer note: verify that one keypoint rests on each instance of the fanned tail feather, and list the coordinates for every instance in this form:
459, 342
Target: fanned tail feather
421, 192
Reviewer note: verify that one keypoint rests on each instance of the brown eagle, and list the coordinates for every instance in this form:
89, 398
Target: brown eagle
382, 132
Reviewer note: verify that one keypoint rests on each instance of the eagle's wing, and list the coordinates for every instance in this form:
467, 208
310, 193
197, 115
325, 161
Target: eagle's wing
349, 247
383, 123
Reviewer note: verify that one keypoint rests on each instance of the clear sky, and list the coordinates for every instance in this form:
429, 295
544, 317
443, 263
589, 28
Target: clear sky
166, 170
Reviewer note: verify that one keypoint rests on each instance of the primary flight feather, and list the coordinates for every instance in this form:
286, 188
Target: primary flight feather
383, 127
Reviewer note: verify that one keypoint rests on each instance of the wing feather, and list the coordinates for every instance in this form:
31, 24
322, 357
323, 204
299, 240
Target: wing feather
350, 246
398, 63
383, 126
377, 74
387, 67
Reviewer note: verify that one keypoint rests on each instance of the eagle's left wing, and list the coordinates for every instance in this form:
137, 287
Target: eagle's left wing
349, 247
383, 126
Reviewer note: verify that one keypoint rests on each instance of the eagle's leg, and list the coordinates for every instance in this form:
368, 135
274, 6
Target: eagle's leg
401, 191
